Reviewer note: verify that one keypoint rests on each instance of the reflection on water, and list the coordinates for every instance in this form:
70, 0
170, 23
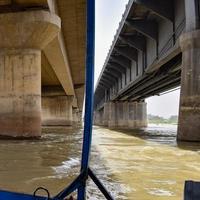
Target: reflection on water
142, 165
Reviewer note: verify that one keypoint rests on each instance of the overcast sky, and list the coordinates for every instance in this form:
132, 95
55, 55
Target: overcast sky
108, 16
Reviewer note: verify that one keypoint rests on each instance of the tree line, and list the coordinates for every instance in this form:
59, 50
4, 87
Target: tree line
155, 119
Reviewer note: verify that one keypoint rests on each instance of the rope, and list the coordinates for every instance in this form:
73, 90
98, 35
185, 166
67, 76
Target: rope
44, 189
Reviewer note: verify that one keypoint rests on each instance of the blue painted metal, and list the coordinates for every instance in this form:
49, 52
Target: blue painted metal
88, 120
71, 188
99, 185
6, 195
192, 190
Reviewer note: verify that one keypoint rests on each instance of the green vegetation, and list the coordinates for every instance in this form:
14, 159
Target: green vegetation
154, 119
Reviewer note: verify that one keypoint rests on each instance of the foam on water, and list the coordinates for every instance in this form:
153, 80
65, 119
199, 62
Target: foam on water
143, 165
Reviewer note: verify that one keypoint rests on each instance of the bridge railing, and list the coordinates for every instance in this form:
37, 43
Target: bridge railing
172, 40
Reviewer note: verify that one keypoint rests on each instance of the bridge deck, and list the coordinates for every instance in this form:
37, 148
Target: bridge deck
145, 57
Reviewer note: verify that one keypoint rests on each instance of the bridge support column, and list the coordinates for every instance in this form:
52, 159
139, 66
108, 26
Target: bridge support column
20, 93
56, 107
132, 115
137, 115
124, 115
121, 113
23, 35
189, 112
112, 122
98, 118
106, 113
76, 116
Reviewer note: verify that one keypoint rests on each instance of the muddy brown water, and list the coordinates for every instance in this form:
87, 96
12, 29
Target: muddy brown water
142, 165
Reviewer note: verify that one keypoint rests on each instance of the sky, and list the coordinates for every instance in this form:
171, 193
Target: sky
108, 16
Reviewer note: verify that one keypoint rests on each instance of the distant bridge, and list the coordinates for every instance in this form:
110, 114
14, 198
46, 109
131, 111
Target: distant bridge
147, 58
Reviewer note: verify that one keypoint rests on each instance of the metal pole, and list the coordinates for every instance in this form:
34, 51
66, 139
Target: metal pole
88, 120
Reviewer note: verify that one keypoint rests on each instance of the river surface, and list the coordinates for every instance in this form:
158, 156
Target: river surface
141, 165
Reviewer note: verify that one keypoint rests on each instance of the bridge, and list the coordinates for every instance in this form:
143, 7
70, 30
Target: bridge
42, 64
155, 49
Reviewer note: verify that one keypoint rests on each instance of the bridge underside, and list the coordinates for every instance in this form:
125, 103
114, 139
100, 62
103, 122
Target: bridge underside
42, 64
155, 49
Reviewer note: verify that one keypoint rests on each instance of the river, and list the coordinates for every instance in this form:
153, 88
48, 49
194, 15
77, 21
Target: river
142, 165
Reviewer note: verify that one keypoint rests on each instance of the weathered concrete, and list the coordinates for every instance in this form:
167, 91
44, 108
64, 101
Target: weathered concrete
112, 115
137, 114
106, 111
57, 110
28, 30
23, 35
66, 52
98, 118
20, 93
73, 15
77, 117
122, 115
189, 114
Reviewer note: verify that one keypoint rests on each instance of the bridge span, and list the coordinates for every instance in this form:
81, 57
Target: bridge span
42, 64
156, 48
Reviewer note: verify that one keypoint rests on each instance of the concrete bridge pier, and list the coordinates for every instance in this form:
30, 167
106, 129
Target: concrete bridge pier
56, 107
98, 118
123, 115
137, 115
77, 116
22, 36
106, 113
112, 123
189, 113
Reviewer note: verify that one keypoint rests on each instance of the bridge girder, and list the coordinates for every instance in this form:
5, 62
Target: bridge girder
114, 72
105, 86
109, 76
138, 42
128, 52
100, 88
117, 67
123, 61
107, 81
164, 9
147, 28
